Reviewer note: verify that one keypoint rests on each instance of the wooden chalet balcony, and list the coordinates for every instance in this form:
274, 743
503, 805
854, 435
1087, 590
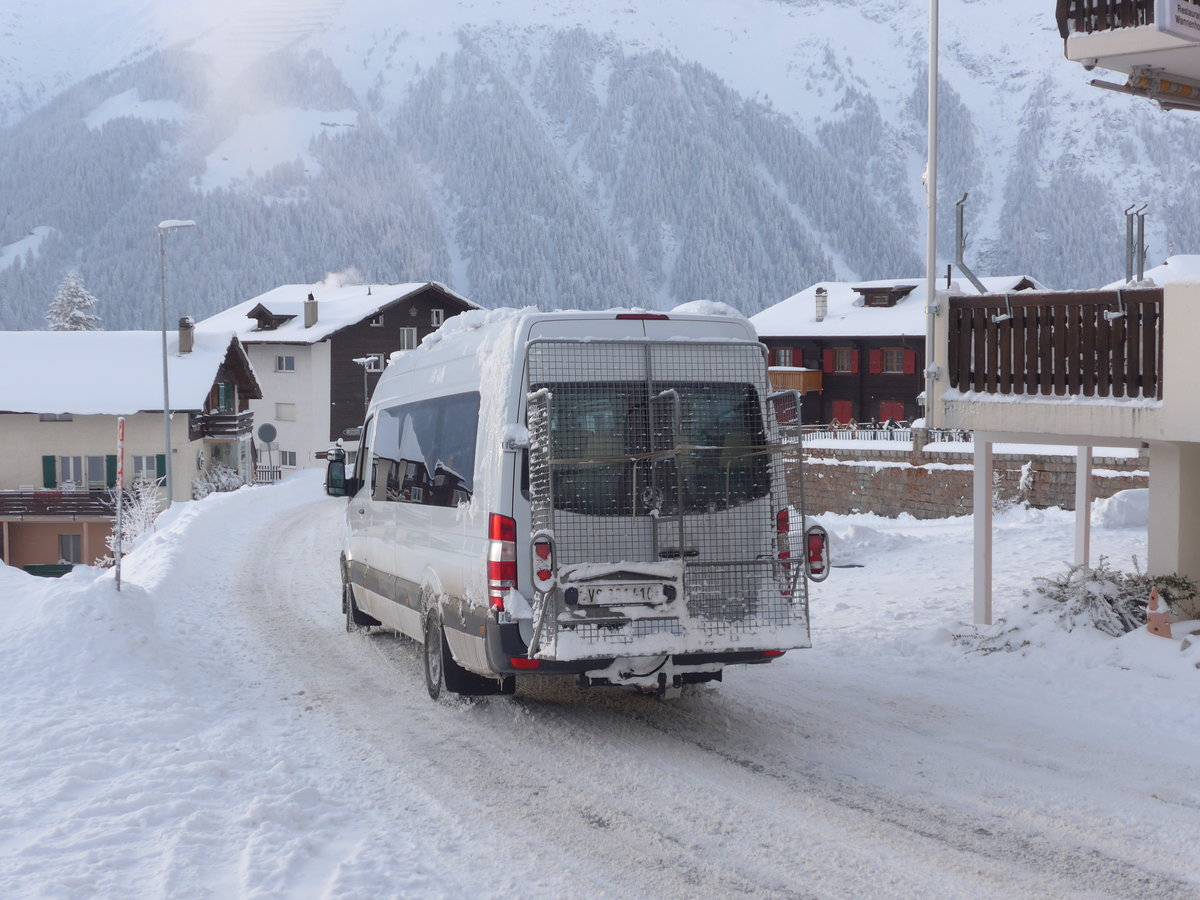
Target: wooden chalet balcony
1102, 344
788, 378
1156, 44
61, 504
1088, 16
220, 425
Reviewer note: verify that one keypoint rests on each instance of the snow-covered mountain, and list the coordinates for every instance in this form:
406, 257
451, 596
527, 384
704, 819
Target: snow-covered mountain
561, 153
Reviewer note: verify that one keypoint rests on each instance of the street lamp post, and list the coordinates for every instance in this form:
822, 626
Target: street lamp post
163, 227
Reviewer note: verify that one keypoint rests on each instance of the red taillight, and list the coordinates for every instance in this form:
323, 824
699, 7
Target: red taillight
771, 654
543, 561
657, 316
521, 662
502, 558
783, 526
816, 546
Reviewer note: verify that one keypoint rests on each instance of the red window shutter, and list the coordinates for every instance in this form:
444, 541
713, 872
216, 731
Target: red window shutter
827, 361
853, 362
843, 411
910, 362
874, 361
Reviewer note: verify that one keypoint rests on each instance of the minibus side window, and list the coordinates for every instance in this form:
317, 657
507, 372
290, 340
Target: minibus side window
426, 450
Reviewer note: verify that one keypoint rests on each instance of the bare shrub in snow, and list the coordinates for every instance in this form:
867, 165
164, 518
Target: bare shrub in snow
1101, 598
217, 478
141, 505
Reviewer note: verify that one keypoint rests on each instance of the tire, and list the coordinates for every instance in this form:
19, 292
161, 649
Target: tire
357, 621
435, 656
443, 674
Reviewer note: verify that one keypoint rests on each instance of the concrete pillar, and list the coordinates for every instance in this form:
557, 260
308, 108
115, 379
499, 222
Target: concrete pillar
1083, 505
983, 529
1173, 532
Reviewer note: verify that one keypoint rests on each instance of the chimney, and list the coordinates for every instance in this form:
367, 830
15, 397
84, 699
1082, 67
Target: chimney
822, 304
310, 311
187, 335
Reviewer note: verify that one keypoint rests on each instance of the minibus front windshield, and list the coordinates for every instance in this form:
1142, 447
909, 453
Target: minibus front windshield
628, 448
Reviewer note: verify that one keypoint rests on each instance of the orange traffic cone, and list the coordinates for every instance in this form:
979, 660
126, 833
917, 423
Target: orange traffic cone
1158, 620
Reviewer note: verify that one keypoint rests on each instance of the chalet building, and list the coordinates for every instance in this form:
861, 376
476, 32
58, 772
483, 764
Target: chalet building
319, 350
61, 393
856, 350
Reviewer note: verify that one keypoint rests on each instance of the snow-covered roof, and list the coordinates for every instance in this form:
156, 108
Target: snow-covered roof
338, 307
1184, 267
848, 317
105, 372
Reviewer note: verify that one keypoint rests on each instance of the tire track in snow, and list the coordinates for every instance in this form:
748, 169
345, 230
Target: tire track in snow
628, 795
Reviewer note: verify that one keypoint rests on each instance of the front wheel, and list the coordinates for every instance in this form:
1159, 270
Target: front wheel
356, 620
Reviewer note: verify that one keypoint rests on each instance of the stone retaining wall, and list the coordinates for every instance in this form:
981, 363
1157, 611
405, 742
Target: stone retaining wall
931, 484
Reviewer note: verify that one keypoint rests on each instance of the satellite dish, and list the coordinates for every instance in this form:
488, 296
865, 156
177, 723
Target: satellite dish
267, 432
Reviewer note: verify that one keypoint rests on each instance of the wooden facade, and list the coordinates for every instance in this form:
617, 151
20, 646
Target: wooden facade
362, 339
863, 379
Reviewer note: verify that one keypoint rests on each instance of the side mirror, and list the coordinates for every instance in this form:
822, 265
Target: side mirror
335, 475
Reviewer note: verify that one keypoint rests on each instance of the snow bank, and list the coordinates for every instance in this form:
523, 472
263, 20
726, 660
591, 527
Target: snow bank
1124, 509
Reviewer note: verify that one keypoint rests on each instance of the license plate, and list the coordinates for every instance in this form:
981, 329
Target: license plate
620, 594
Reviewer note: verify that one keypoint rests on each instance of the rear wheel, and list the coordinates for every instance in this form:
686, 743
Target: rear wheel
442, 673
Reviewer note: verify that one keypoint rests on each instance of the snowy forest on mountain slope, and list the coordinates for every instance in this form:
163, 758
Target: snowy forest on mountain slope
560, 168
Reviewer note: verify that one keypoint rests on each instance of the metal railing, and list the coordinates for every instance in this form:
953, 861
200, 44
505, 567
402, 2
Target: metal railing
1105, 344
62, 504
881, 431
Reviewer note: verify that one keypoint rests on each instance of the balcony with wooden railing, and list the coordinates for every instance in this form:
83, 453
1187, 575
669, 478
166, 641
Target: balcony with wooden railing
790, 378
1089, 16
1104, 344
1157, 45
231, 425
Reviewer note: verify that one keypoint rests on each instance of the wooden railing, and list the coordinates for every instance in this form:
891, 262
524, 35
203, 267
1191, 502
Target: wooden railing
220, 424
789, 379
1086, 16
1090, 344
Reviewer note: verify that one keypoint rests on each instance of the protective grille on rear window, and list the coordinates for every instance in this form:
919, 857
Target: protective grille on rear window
661, 462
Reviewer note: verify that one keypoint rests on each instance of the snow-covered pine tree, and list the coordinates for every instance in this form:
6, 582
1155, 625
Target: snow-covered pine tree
71, 309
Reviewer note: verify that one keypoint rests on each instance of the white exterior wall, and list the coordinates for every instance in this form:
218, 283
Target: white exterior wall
24, 440
307, 388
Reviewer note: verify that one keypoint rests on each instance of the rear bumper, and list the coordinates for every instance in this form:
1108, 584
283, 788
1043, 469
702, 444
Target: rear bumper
504, 646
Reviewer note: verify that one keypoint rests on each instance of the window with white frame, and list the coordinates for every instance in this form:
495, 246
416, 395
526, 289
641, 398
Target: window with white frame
285, 364
408, 338
376, 362
287, 459
437, 317
70, 471
843, 360
285, 412
145, 469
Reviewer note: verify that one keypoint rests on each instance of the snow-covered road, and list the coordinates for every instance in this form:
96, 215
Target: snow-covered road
212, 731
